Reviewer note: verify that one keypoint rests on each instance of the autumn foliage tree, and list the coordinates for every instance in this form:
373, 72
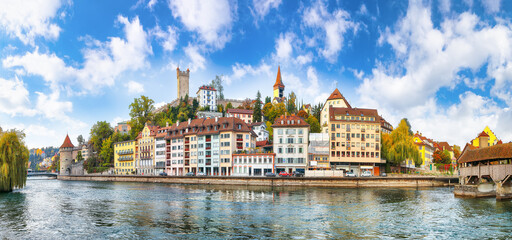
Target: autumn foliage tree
399, 145
13, 160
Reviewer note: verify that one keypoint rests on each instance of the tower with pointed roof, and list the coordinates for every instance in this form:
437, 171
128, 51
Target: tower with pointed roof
335, 100
66, 156
278, 87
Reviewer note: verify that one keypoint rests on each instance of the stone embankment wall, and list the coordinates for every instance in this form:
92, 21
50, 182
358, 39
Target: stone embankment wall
262, 181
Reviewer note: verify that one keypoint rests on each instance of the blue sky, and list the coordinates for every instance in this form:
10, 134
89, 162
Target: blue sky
445, 65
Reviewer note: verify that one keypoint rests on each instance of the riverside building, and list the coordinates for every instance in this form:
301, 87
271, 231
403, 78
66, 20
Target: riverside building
355, 140
253, 164
124, 157
207, 145
291, 143
145, 150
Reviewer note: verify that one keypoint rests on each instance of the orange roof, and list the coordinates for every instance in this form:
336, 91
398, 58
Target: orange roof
290, 121
67, 143
445, 146
279, 81
337, 95
483, 134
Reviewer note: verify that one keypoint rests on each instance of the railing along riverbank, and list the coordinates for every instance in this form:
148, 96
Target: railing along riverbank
353, 182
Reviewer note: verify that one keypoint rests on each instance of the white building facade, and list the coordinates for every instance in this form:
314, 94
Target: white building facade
253, 164
207, 96
291, 135
260, 128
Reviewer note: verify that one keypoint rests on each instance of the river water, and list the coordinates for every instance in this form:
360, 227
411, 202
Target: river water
53, 209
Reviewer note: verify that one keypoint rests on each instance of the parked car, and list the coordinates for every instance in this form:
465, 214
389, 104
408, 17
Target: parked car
270, 174
190, 174
366, 174
284, 174
163, 174
200, 174
298, 174
350, 174
383, 174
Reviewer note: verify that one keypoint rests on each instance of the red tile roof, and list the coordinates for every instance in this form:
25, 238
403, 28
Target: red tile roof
263, 143
496, 152
290, 121
354, 112
208, 126
205, 87
445, 146
337, 95
67, 143
240, 111
483, 134
279, 81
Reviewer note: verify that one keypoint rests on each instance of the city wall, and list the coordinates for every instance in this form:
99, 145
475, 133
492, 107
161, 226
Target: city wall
263, 181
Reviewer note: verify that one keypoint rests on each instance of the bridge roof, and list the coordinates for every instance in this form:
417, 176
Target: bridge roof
496, 152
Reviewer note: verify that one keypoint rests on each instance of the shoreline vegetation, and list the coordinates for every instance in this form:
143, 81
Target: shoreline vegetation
14, 156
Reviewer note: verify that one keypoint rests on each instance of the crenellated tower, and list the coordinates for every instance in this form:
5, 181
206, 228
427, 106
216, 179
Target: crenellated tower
183, 77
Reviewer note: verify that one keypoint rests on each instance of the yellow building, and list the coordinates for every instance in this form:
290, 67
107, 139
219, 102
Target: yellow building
124, 157
493, 140
145, 150
426, 148
336, 100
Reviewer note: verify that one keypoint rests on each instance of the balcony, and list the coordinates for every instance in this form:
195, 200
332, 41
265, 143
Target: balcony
377, 130
168, 163
187, 141
187, 149
208, 163
208, 139
187, 163
348, 129
363, 130
239, 139
348, 148
208, 155
208, 148
363, 139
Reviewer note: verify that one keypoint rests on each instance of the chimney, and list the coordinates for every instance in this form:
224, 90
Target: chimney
166, 124
189, 121
216, 119
177, 123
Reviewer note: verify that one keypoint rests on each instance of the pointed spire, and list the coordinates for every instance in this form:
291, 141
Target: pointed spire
67, 143
279, 81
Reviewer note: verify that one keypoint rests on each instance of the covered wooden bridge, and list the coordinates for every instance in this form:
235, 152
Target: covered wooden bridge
485, 171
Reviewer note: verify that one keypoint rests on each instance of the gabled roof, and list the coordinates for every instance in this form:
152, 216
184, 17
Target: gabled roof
290, 121
333, 111
445, 146
67, 143
496, 152
279, 81
483, 134
337, 95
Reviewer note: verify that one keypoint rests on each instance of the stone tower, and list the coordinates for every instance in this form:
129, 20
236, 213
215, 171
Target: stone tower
182, 82
278, 86
66, 156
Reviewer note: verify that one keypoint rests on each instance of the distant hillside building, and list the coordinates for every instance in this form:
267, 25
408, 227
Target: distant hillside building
123, 128
183, 78
207, 96
244, 114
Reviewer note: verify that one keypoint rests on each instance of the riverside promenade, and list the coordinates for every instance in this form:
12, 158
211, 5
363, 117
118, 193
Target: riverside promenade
348, 182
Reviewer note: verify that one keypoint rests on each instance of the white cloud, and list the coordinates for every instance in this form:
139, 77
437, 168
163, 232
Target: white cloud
151, 3
104, 61
358, 74
51, 107
263, 7
244, 70
429, 58
29, 19
363, 10
444, 6
197, 60
284, 47
212, 20
168, 39
14, 98
304, 59
333, 26
491, 6
134, 87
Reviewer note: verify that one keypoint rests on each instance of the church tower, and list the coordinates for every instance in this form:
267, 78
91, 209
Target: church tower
279, 86
66, 156
182, 77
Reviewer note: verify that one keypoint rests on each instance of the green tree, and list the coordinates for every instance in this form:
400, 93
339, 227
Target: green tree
141, 111
313, 124
256, 117
99, 132
217, 84
316, 110
229, 106
267, 108
291, 105
399, 145
195, 105
456, 151
13, 160
79, 156
80, 140
107, 151
270, 131
267, 100
277, 111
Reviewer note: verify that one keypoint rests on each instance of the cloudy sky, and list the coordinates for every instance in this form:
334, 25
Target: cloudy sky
445, 65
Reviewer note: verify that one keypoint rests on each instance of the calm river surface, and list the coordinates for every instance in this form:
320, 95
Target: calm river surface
53, 209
